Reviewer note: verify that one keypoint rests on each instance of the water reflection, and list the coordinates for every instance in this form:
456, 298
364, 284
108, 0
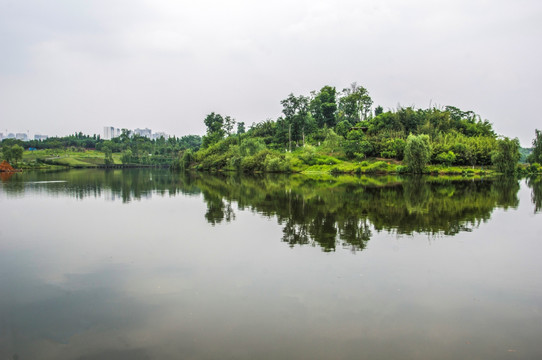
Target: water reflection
318, 211
339, 212
535, 183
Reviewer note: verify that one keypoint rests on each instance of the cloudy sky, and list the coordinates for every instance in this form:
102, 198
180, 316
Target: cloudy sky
68, 65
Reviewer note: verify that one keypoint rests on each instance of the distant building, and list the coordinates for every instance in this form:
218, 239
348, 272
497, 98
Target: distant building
21, 136
41, 137
110, 132
1, 136
158, 135
11, 136
143, 132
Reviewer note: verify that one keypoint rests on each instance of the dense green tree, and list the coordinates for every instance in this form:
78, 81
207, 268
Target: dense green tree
296, 118
251, 146
536, 155
108, 154
343, 127
356, 145
240, 128
6, 152
13, 153
323, 107
354, 104
417, 152
127, 157
229, 124
215, 129
506, 155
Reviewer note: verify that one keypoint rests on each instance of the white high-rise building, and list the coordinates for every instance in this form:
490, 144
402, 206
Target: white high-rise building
158, 135
21, 136
110, 132
143, 132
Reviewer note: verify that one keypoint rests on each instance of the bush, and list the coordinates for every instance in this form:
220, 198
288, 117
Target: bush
308, 155
277, 164
255, 163
506, 156
417, 153
534, 168
446, 158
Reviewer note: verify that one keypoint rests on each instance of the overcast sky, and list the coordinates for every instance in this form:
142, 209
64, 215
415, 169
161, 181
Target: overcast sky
68, 65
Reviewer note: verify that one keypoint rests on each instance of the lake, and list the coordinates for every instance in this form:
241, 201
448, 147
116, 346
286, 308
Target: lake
149, 264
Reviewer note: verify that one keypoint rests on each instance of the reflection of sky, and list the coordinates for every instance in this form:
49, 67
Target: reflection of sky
152, 279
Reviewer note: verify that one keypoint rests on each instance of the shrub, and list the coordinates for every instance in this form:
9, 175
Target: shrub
417, 153
308, 155
446, 158
506, 156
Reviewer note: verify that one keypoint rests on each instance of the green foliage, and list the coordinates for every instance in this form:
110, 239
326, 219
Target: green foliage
536, 154
127, 157
215, 129
108, 155
187, 159
332, 142
417, 153
534, 168
354, 104
277, 163
506, 156
356, 146
12, 153
308, 155
323, 107
393, 148
6, 152
446, 158
256, 162
240, 128
251, 146
343, 127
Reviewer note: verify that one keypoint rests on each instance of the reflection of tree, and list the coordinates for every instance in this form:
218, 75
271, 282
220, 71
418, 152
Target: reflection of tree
125, 185
535, 183
330, 212
217, 209
344, 213
355, 233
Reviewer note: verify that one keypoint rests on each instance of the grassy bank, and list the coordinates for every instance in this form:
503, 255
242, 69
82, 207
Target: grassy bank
51, 159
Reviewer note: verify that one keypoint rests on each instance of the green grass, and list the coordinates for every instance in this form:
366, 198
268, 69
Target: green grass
65, 158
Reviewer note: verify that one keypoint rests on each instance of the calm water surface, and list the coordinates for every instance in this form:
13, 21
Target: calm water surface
145, 264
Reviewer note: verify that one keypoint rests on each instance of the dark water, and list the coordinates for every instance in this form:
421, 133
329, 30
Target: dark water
145, 264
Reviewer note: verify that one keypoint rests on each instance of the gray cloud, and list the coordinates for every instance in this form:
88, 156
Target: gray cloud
74, 66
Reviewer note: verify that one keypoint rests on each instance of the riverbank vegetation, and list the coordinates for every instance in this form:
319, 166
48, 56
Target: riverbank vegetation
326, 131
340, 132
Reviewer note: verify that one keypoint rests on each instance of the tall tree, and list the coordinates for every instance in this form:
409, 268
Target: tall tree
240, 128
296, 116
229, 124
536, 155
355, 104
506, 156
323, 107
215, 130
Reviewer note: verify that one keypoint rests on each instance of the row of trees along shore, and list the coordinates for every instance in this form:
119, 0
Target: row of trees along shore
319, 130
